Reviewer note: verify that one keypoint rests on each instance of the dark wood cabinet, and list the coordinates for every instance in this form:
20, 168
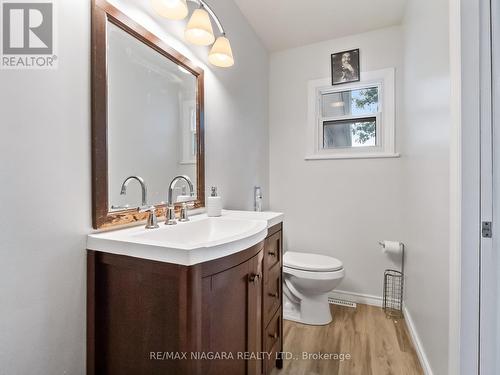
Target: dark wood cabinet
149, 317
272, 299
231, 317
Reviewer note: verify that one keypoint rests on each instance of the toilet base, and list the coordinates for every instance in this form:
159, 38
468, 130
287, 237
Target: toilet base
312, 311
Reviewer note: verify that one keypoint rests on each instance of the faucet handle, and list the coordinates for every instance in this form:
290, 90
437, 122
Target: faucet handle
184, 216
152, 222
170, 215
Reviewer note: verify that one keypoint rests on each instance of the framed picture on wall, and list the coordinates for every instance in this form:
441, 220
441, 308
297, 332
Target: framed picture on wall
345, 67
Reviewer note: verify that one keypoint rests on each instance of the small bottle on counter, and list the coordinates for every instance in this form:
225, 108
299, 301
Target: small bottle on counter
214, 203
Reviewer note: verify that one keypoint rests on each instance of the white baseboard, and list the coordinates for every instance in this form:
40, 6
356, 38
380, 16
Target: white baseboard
372, 300
417, 343
365, 299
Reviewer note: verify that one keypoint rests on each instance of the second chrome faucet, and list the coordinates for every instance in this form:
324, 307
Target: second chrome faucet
170, 218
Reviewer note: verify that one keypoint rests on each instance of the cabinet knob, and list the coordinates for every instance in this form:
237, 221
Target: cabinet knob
254, 278
275, 295
273, 335
272, 253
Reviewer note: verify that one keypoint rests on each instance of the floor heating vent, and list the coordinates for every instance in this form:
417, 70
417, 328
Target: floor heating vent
341, 302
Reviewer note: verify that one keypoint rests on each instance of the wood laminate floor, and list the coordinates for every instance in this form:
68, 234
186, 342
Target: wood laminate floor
377, 345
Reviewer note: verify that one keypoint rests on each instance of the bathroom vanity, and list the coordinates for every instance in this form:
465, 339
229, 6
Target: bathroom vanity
217, 310
201, 295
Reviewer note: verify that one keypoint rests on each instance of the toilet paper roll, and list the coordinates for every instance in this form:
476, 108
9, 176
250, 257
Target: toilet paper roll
391, 247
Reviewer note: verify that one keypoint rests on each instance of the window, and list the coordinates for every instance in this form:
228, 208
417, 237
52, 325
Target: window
352, 120
188, 141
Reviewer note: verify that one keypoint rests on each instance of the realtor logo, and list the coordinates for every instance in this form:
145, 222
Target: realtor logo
28, 35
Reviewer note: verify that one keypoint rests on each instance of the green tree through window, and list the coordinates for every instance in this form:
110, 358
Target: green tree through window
365, 131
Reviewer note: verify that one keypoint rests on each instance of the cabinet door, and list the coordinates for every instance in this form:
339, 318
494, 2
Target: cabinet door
231, 318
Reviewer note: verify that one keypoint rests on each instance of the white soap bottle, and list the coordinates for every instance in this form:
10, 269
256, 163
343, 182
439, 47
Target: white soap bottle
214, 203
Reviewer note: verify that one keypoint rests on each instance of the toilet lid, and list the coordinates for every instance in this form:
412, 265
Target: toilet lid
311, 262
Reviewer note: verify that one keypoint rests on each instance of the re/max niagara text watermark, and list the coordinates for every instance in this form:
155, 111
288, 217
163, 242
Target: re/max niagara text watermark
316, 356
28, 35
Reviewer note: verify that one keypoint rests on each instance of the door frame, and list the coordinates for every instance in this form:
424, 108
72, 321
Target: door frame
475, 170
466, 45
490, 174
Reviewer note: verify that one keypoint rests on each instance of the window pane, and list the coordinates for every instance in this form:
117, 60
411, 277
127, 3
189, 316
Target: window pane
351, 102
350, 133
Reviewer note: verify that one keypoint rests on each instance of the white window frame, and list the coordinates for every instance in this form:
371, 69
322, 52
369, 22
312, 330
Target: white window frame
385, 147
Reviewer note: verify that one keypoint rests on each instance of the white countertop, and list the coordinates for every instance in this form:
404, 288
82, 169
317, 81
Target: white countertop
197, 241
272, 218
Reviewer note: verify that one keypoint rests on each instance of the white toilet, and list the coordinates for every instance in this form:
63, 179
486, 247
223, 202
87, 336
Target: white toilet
308, 279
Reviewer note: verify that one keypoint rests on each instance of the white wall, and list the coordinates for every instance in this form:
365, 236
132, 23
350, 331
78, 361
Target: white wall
343, 207
340, 208
45, 175
425, 171
45, 200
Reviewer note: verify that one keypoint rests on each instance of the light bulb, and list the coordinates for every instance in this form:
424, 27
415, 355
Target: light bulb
199, 29
171, 9
221, 54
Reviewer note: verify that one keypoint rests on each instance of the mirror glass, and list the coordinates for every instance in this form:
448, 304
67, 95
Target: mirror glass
152, 117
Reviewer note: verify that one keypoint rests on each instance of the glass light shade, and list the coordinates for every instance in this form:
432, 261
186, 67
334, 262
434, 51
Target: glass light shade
199, 29
171, 9
221, 54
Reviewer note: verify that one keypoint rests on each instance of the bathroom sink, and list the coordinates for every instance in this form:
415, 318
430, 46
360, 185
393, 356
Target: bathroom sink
205, 232
199, 240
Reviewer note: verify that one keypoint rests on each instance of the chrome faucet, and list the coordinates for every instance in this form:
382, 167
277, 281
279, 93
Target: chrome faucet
152, 221
144, 189
170, 214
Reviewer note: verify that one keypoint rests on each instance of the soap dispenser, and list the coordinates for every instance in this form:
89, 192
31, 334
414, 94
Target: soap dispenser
214, 203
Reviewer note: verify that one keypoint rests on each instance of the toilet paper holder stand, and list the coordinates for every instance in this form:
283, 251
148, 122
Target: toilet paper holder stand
393, 288
382, 244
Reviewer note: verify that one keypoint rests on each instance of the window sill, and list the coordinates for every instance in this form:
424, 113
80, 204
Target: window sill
378, 155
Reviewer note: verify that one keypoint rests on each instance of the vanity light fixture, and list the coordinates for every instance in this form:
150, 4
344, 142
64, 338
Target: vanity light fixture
199, 28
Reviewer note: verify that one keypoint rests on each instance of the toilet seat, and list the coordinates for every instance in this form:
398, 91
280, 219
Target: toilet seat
311, 262
314, 275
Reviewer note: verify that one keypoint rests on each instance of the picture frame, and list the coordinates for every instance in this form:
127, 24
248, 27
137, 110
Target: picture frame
345, 67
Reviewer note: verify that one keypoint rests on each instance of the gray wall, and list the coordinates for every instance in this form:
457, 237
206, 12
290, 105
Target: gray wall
425, 174
340, 208
343, 207
45, 175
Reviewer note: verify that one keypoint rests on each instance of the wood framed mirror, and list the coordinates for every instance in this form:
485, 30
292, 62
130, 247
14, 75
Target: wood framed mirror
147, 119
